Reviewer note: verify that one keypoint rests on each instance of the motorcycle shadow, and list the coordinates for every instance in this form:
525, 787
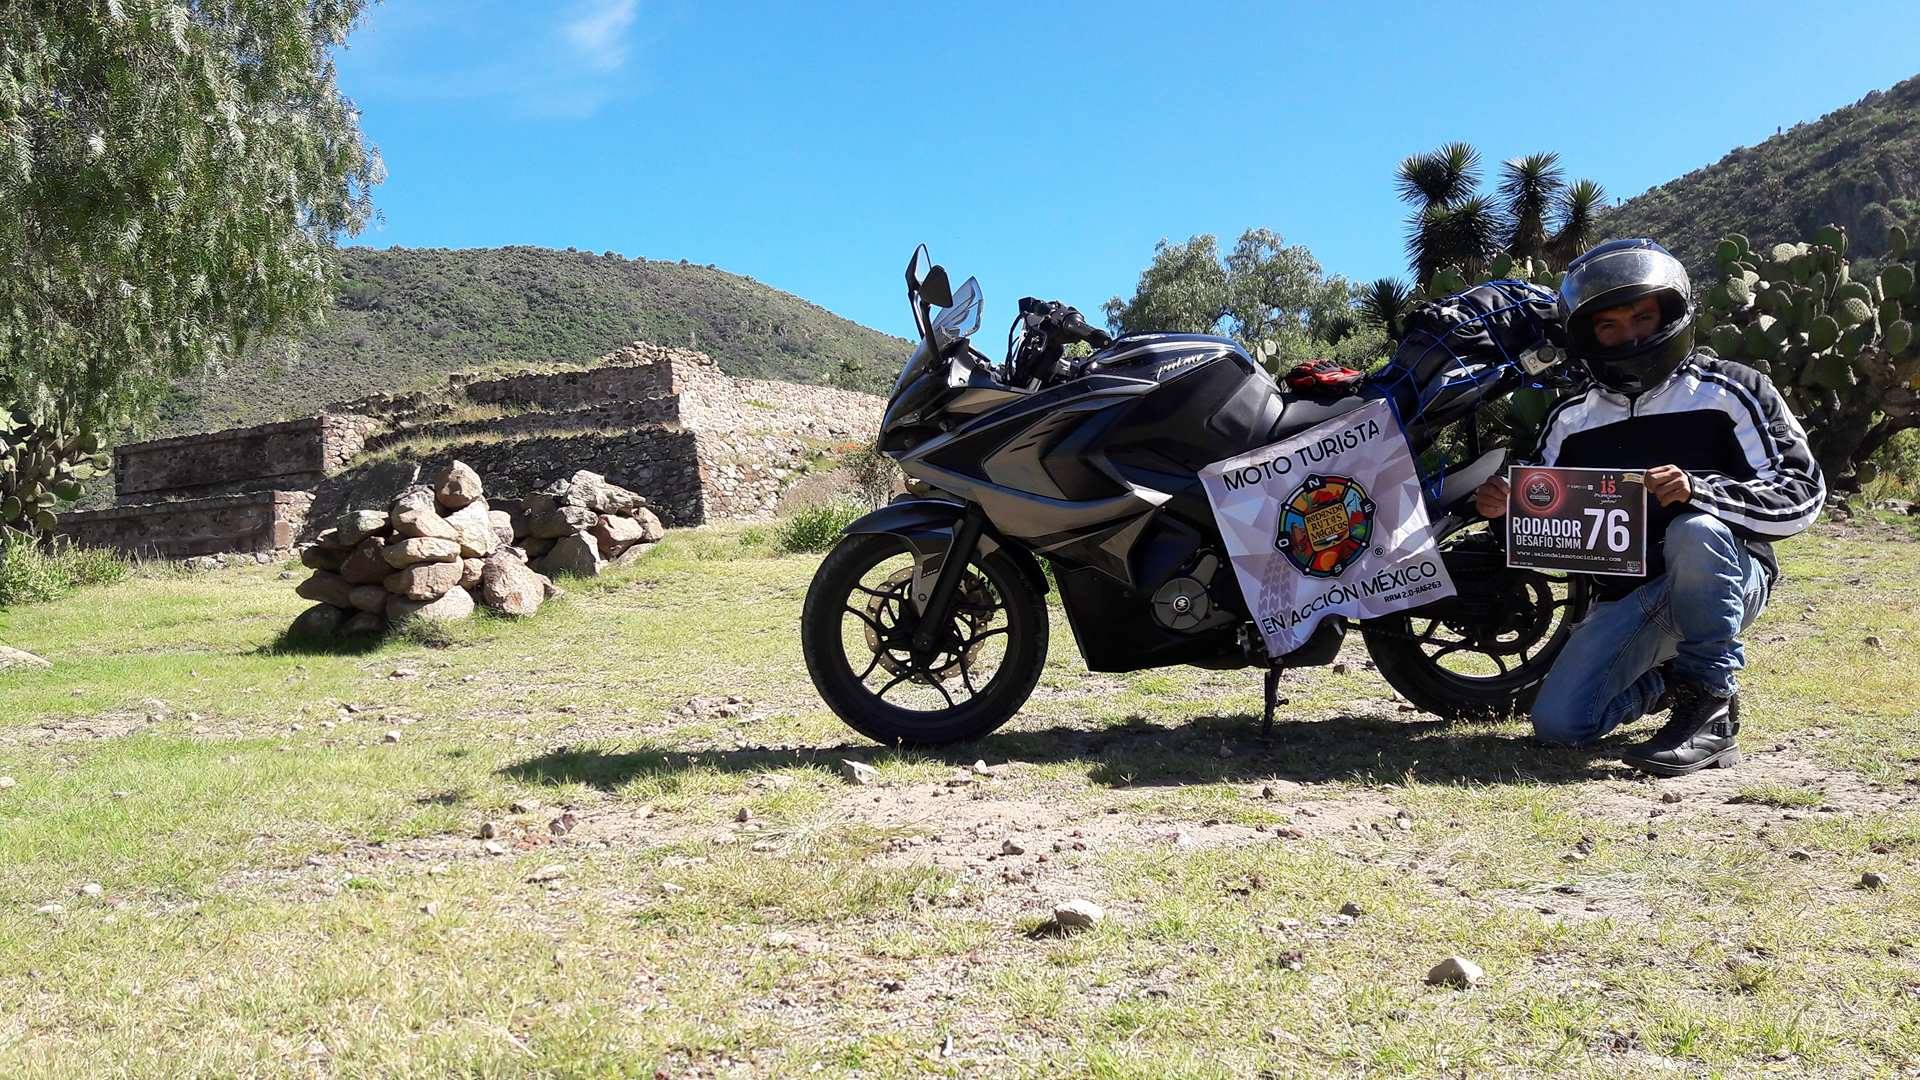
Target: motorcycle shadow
1138, 752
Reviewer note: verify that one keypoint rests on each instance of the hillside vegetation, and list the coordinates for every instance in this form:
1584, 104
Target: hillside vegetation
405, 318
1857, 166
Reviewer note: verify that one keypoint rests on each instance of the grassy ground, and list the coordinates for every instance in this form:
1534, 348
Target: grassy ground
292, 879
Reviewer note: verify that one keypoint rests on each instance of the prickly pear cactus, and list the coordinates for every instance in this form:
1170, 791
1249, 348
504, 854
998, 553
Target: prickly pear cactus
1841, 350
1451, 279
41, 466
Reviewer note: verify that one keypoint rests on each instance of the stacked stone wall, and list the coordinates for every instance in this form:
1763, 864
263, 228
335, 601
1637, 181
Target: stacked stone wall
290, 455
608, 417
247, 522
665, 422
660, 462
712, 401
572, 389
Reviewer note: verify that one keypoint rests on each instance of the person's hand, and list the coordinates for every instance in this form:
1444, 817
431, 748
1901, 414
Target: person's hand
1490, 498
1669, 484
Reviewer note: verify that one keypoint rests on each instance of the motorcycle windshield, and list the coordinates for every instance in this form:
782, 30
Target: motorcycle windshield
960, 319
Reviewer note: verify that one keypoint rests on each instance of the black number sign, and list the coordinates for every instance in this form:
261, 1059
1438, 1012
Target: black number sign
1593, 521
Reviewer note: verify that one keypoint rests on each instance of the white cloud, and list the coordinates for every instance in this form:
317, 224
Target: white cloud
538, 59
598, 32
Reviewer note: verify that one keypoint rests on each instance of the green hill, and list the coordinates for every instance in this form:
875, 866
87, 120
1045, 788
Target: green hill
1858, 166
406, 318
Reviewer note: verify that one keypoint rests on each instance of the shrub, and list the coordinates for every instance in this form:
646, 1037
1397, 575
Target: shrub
817, 527
1898, 463
873, 472
30, 573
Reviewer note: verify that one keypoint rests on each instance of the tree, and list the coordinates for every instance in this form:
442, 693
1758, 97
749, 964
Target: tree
1183, 290
175, 176
1385, 304
1528, 186
1535, 213
1264, 291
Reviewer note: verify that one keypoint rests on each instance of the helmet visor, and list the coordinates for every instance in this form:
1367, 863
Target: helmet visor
1606, 278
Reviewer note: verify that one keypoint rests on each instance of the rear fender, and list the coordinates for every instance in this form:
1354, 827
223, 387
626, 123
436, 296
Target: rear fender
928, 527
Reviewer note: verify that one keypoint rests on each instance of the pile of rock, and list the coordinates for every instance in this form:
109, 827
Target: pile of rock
433, 554
582, 525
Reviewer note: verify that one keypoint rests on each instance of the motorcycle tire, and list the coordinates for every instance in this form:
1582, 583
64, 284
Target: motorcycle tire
822, 643
1393, 645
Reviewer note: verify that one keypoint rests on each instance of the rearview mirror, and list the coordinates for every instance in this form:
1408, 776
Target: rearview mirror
936, 290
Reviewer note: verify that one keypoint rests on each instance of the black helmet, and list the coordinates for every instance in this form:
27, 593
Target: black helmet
1619, 272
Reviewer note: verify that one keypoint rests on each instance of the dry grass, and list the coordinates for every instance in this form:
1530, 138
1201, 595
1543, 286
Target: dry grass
283, 893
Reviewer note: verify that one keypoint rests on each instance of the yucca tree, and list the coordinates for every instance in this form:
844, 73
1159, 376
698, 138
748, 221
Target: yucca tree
1578, 210
1385, 304
1431, 183
1529, 187
1465, 233
1445, 175
1534, 213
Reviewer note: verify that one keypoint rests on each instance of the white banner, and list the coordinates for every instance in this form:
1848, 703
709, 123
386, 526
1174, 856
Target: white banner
1329, 521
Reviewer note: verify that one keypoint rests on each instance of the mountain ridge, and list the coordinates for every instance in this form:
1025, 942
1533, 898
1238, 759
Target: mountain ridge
1857, 166
403, 319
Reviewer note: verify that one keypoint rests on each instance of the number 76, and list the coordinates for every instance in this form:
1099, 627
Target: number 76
1615, 523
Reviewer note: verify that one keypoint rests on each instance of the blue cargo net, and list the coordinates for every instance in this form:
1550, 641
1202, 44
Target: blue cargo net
1400, 376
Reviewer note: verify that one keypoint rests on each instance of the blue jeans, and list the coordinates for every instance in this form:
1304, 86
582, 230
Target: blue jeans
1693, 614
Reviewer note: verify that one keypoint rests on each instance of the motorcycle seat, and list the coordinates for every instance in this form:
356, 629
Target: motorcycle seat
1298, 413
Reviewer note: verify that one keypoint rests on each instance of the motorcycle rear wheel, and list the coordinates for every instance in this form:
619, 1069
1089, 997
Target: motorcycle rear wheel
1483, 660
854, 629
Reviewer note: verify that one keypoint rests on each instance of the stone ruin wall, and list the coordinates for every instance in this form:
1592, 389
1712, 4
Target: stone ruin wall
666, 422
288, 455
658, 462
252, 521
626, 381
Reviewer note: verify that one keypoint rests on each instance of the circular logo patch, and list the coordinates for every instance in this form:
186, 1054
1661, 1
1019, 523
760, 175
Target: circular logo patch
1325, 526
1540, 492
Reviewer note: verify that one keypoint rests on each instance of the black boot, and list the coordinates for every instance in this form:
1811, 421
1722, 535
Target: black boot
1698, 734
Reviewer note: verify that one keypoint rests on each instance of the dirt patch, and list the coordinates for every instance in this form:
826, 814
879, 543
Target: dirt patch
74, 729
1715, 797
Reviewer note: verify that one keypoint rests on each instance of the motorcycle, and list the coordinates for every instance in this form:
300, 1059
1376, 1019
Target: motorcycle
927, 623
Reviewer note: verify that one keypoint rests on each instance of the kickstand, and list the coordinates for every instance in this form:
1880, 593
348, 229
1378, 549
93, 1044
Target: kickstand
1273, 698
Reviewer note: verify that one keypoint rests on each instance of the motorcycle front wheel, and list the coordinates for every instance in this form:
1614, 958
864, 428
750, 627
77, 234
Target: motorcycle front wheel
856, 632
1484, 653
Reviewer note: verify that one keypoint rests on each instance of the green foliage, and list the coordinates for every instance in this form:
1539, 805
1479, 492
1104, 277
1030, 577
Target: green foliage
1858, 165
42, 465
874, 472
1537, 214
406, 318
1838, 348
817, 527
1385, 304
33, 573
1270, 296
175, 177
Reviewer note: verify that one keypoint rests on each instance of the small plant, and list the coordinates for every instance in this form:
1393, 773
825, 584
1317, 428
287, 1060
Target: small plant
816, 527
32, 573
874, 472
1784, 796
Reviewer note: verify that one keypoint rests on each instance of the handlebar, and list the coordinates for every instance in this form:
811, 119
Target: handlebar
1066, 324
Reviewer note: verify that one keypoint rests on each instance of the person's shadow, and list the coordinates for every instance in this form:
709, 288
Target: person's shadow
1140, 753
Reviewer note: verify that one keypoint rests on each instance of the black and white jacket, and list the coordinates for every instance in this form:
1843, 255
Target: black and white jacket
1723, 423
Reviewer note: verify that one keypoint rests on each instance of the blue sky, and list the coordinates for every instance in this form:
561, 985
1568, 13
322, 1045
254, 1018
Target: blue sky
1044, 148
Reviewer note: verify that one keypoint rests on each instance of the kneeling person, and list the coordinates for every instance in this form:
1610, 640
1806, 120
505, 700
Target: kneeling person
1728, 469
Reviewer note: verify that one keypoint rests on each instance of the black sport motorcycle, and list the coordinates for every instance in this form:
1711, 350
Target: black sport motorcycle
927, 623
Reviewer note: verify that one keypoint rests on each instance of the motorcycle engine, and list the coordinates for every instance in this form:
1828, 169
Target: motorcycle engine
1183, 603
